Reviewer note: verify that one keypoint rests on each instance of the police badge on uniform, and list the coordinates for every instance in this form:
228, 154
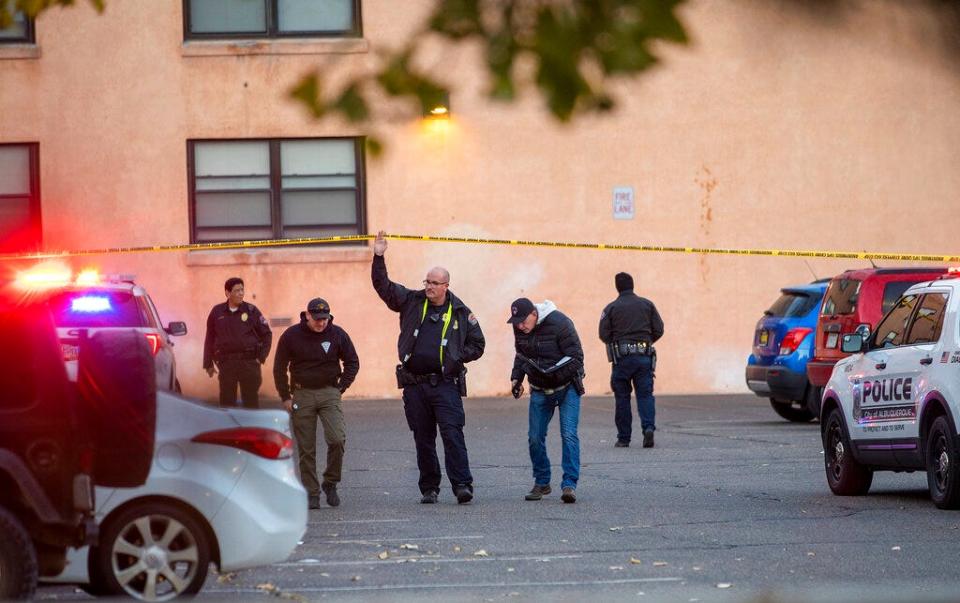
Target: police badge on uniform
326, 346
244, 317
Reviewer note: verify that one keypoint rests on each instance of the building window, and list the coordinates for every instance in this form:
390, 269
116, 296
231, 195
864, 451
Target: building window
217, 19
275, 189
19, 197
19, 32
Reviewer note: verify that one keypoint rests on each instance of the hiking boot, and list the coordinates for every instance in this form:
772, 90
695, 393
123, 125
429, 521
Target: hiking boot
569, 495
648, 438
313, 502
333, 499
538, 492
622, 444
463, 494
429, 498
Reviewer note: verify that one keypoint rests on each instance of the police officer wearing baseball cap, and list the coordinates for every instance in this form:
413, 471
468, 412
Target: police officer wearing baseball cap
312, 353
238, 340
438, 335
630, 325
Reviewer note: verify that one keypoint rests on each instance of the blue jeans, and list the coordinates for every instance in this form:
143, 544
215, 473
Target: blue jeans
633, 372
541, 412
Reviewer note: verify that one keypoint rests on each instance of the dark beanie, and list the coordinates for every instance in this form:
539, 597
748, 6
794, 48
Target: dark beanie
624, 282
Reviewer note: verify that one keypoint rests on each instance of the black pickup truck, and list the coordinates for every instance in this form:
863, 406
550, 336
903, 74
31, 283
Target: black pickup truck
59, 439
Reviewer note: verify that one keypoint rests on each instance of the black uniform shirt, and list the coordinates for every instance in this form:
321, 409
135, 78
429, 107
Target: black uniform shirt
425, 358
243, 331
630, 318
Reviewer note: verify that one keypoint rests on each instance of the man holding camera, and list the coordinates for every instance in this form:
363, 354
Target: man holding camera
549, 354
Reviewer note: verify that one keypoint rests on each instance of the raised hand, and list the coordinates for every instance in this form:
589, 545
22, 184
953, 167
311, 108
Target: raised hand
380, 243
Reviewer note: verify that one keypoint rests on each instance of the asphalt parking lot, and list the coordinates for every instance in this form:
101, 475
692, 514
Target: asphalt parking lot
731, 505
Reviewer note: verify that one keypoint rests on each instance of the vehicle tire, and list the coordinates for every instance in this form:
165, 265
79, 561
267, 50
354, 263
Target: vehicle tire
845, 476
811, 399
117, 385
943, 466
18, 559
791, 413
152, 551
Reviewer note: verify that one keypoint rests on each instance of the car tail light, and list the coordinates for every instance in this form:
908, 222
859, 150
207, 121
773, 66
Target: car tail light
793, 339
155, 342
263, 442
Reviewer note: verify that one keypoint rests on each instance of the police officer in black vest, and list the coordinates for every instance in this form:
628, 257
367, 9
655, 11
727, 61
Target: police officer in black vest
438, 335
238, 341
630, 325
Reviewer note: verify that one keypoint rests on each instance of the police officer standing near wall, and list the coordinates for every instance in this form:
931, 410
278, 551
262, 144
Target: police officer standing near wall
438, 335
238, 340
312, 352
630, 325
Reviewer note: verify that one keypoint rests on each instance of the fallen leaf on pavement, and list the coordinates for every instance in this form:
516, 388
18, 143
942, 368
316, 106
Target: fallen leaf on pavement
355, 579
384, 555
223, 578
266, 586
456, 549
410, 547
635, 561
724, 585
896, 548
616, 528
481, 553
659, 563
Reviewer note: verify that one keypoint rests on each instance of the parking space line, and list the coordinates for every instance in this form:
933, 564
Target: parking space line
380, 540
386, 587
426, 559
319, 521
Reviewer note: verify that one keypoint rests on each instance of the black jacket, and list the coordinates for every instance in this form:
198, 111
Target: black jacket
630, 318
314, 358
465, 340
240, 332
553, 338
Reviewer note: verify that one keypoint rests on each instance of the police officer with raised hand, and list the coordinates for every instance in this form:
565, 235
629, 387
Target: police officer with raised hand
312, 353
630, 325
438, 335
549, 354
238, 341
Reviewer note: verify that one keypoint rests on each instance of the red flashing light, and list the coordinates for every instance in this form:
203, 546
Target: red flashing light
793, 339
266, 443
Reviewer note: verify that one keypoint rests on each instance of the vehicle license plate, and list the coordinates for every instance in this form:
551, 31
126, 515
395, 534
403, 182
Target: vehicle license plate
832, 339
764, 337
69, 351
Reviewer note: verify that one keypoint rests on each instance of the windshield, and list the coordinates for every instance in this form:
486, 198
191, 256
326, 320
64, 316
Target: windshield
841, 297
97, 309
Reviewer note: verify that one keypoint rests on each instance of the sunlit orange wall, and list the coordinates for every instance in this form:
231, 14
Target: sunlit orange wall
779, 126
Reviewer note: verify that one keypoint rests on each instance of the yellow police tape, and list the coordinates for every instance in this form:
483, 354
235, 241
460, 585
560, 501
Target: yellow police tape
849, 255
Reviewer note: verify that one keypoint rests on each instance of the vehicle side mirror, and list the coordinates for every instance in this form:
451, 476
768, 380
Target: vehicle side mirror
177, 328
852, 343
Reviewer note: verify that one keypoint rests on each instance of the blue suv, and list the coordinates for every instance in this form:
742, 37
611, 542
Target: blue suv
783, 342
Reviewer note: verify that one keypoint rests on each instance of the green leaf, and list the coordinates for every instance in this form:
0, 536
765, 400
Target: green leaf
307, 92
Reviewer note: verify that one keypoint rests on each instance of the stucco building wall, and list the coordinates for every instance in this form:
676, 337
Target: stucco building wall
779, 126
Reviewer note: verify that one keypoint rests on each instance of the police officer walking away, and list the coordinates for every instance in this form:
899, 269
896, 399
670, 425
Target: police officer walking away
438, 335
312, 352
238, 340
630, 325
549, 354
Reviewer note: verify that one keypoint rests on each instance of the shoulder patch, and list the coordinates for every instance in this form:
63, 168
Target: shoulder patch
472, 319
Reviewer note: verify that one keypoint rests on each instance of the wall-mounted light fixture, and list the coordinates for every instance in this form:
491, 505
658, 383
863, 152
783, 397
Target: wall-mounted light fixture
440, 109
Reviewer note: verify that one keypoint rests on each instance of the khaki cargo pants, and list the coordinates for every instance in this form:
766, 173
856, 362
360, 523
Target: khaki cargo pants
308, 406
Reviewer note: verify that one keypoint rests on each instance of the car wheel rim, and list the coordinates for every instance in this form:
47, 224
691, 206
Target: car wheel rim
836, 452
154, 558
941, 463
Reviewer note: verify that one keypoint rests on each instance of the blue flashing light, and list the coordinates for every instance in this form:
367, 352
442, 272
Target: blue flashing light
90, 304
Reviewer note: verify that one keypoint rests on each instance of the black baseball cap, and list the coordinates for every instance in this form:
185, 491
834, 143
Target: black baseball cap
520, 309
318, 308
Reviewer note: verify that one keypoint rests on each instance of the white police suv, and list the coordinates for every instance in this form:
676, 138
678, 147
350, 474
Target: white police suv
894, 405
